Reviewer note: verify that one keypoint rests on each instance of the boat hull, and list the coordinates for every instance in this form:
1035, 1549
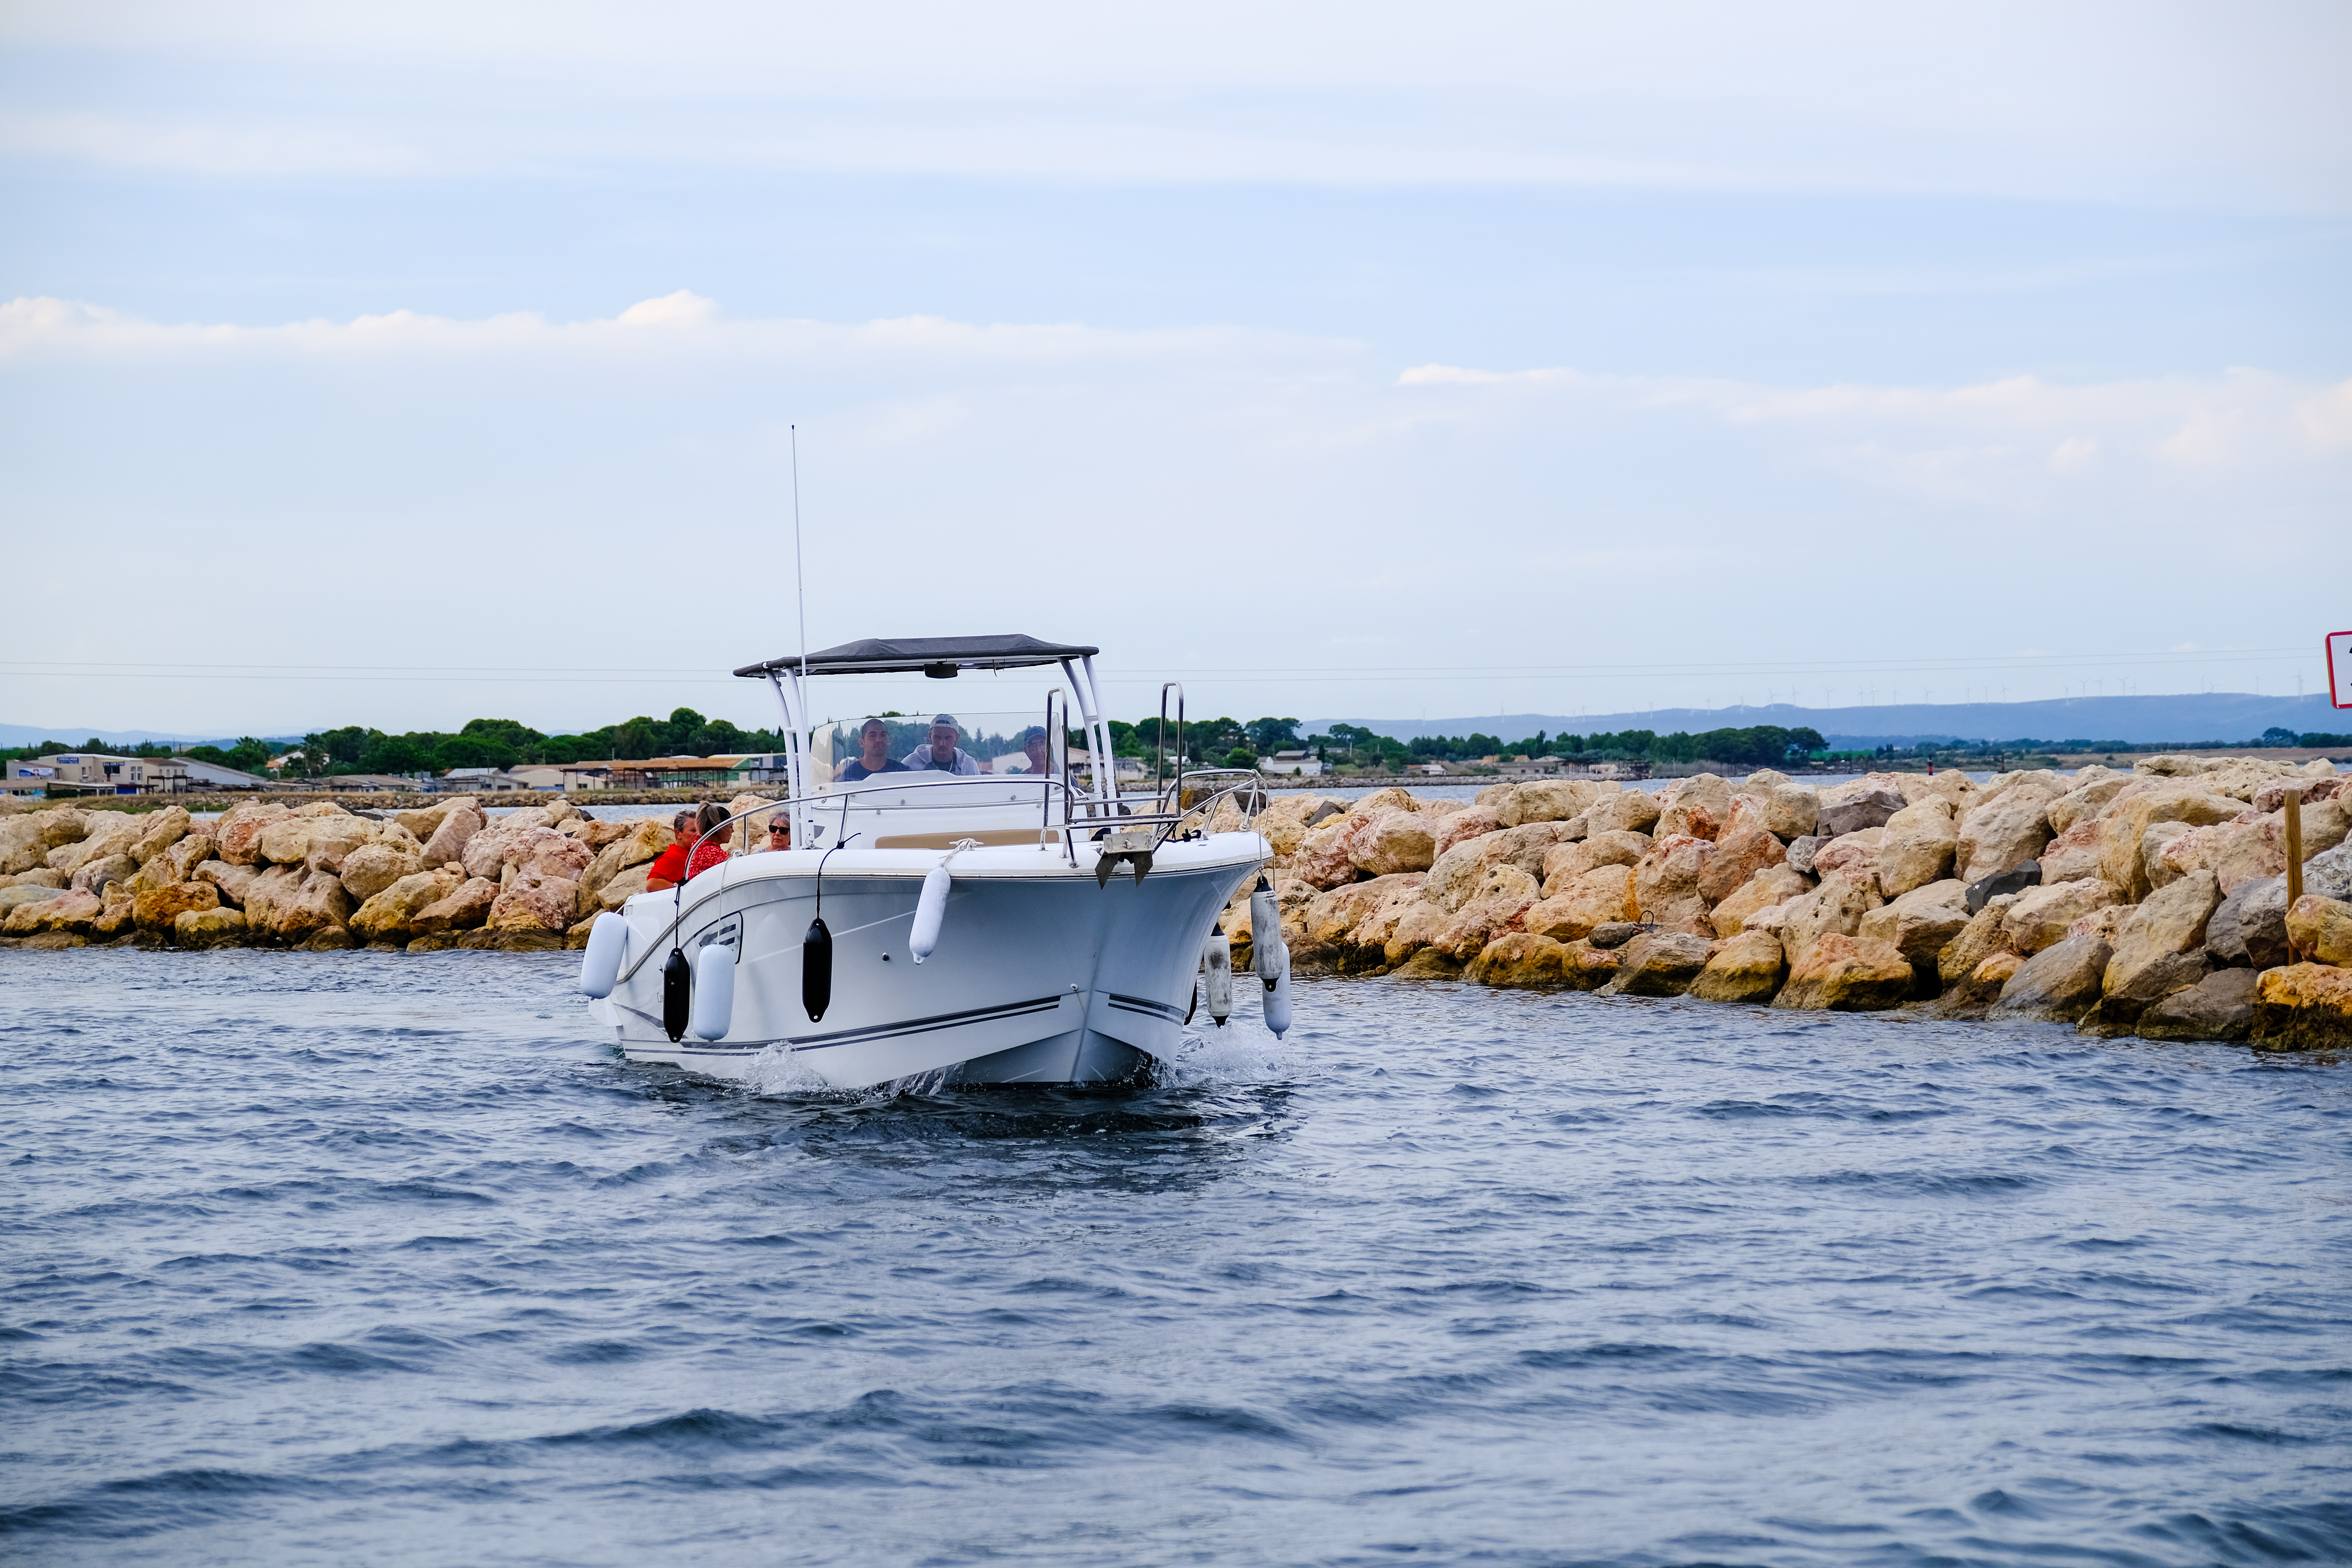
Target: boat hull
1043, 974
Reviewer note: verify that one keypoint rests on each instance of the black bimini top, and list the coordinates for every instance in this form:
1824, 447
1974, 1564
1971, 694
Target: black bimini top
939, 656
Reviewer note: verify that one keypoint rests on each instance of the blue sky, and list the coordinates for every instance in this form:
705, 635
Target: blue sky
399, 368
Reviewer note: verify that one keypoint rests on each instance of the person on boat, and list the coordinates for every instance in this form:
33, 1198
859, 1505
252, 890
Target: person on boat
672, 865
1033, 741
942, 755
779, 832
873, 755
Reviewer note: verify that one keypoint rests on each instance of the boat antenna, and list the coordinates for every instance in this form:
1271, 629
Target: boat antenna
799, 580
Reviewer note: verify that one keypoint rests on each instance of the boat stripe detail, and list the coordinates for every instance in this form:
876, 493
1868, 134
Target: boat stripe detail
924, 1026
1146, 1004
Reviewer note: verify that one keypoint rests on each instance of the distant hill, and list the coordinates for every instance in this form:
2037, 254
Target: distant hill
77, 735
2230, 716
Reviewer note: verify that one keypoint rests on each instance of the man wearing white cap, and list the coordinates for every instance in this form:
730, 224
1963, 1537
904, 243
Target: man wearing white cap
943, 755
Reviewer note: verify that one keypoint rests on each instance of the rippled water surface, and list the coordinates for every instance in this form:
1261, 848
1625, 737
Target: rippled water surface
345, 1258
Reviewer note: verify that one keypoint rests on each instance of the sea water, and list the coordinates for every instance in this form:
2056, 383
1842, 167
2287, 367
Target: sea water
354, 1258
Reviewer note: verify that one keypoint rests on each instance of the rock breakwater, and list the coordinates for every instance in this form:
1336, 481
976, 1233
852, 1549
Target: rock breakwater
2149, 902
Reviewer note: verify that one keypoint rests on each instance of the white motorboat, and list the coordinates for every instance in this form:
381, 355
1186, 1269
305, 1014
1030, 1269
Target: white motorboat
1034, 925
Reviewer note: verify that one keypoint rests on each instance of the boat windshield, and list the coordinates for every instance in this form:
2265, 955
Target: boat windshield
846, 753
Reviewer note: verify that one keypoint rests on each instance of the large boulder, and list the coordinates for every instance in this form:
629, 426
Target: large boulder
28, 893
160, 832
2219, 1007
1618, 846
390, 913
2056, 985
1772, 886
96, 874
1666, 882
1518, 959
1332, 915
157, 909
1841, 973
1456, 874
1475, 823
315, 842
1546, 800
424, 821
1972, 994
2041, 915
1602, 896
1853, 855
232, 880
543, 852
1920, 925
2303, 1008
1284, 821
2120, 1006
534, 901
26, 841
1790, 809
1564, 863
1391, 842
2321, 929
1747, 968
1663, 963
68, 911
1870, 801
2271, 794
628, 884
1742, 849
2074, 854
1986, 933
1584, 967
647, 838
1918, 848
1494, 906
2249, 928
1627, 811
1835, 908
208, 927
467, 907
2008, 828
2140, 803
1321, 860
456, 829
271, 887
2329, 875
311, 905
1365, 945
241, 828
1695, 807
2087, 801
111, 833
2172, 920
372, 868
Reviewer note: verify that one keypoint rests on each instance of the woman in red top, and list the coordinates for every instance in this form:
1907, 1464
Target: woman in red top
670, 867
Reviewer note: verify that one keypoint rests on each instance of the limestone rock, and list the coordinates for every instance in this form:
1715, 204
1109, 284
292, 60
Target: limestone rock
422, 823
2007, 830
156, 909
111, 833
2074, 854
1985, 934
2325, 825
645, 839
2159, 835
1584, 967
1321, 860
1835, 908
1920, 925
232, 880
2248, 929
2330, 875
241, 828
1463, 825
626, 884
1627, 811
2219, 1007
2321, 929
371, 868
208, 927
26, 841
390, 913
2140, 803
1365, 945
162, 830
1663, 963
2106, 924
1972, 994
536, 901
1518, 959
1841, 973
1665, 883
1602, 896
272, 887
2120, 1006
1790, 809
461, 825
1918, 848
42, 877
1494, 906
96, 874
1617, 847
1456, 876
1695, 807
1391, 842
1853, 855
1415, 924
2235, 852
1802, 848
22, 894
1741, 851
1870, 801
543, 852
315, 842
328, 939
2171, 920
1546, 800
466, 907
2271, 794
68, 911
2303, 1008
1282, 823
2041, 915
314, 903
1564, 863
1333, 914
2058, 984
1747, 968
1984, 889
2085, 802
1770, 886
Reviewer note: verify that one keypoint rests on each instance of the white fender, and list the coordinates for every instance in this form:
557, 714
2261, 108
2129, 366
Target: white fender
1277, 999
714, 991
1266, 935
1217, 959
599, 967
929, 911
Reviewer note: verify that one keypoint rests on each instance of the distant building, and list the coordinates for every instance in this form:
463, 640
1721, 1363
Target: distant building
1531, 767
89, 772
213, 776
1303, 765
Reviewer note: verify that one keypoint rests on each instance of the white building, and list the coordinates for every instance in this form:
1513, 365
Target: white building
89, 772
1304, 764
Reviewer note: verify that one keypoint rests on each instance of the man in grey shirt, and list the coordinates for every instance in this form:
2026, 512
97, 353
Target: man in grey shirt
943, 755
